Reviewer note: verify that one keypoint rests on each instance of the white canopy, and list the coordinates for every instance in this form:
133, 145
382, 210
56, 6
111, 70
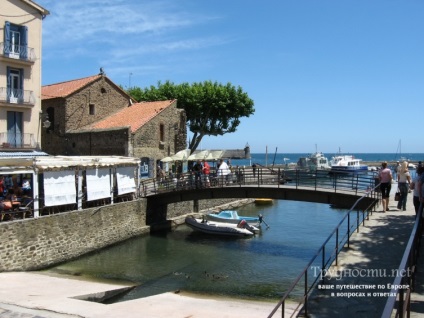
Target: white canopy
181, 155
167, 159
198, 155
214, 155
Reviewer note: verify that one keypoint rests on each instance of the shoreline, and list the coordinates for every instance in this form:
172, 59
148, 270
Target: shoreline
26, 292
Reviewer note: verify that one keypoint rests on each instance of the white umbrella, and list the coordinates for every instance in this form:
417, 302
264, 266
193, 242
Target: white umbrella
214, 155
198, 155
167, 159
181, 155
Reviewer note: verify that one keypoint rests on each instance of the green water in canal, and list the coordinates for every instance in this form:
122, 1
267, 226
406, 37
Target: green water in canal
261, 267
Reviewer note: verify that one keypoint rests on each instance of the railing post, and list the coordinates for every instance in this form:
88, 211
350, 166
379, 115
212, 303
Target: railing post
306, 294
337, 246
335, 182
357, 221
323, 259
278, 178
348, 230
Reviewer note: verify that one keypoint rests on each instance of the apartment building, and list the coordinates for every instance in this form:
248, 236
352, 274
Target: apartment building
20, 75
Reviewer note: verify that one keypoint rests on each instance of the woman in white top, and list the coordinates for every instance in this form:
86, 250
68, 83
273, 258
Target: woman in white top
404, 180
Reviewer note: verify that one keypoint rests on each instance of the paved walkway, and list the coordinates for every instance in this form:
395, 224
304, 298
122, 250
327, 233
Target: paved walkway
368, 266
378, 247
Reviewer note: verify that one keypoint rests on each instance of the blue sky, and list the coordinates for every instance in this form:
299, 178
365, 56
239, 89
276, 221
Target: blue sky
326, 75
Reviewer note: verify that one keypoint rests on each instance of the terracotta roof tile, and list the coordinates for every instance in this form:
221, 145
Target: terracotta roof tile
65, 88
133, 116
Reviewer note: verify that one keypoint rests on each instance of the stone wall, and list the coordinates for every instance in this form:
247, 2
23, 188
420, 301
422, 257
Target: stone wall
33, 244
73, 113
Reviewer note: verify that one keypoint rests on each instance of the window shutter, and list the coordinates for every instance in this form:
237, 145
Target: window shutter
21, 86
7, 37
24, 42
9, 84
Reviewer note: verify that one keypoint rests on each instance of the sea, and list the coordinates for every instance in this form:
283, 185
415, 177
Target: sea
260, 268
267, 159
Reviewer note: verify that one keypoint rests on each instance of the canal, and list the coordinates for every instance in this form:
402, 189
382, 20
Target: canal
258, 268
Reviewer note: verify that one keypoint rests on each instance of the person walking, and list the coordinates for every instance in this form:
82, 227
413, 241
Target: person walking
385, 176
404, 180
414, 186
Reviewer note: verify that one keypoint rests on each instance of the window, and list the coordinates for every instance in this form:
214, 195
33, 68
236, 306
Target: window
14, 128
162, 132
50, 117
16, 41
15, 85
91, 109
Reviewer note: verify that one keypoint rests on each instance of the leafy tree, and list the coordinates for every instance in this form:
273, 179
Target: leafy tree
212, 109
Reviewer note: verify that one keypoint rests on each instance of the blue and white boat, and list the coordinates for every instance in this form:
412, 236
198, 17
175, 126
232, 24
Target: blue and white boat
231, 216
242, 229
347, 164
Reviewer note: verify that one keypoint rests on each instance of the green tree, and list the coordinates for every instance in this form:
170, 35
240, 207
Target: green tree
212, 109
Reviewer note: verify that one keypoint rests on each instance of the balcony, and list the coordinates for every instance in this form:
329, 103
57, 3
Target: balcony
17, 96
18, 52
13, 141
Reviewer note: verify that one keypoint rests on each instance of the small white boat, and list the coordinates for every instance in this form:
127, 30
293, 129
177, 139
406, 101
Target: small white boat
219, 228
231, 216
347, 164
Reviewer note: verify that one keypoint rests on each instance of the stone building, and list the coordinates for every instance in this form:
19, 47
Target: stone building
93, 116
20, 76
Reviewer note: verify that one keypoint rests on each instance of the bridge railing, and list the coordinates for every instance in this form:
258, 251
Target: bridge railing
399, 302
339, 182
318, 268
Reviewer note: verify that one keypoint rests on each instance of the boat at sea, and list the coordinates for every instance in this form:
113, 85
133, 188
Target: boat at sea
315, 161
231, 216
347, 164
241, 229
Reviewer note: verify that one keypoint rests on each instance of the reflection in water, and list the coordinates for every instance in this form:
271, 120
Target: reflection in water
261, 267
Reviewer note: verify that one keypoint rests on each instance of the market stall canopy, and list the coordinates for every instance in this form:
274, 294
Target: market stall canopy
214, 155
167, 159
48, 162
198, 155
181, 155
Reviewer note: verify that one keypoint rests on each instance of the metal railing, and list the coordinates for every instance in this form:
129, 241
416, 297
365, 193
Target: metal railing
323, 179
20, 52
17, 96
400, 297
22, 141
326, 255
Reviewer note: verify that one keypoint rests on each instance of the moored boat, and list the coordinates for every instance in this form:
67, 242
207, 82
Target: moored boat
314, 161
347, 164
263, 201
231, 216
242, 229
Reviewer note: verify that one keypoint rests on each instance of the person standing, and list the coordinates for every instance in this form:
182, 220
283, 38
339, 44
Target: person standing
206, 171
404, 180
414, 186
385, 176
396, 169
197, 169
223, 171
